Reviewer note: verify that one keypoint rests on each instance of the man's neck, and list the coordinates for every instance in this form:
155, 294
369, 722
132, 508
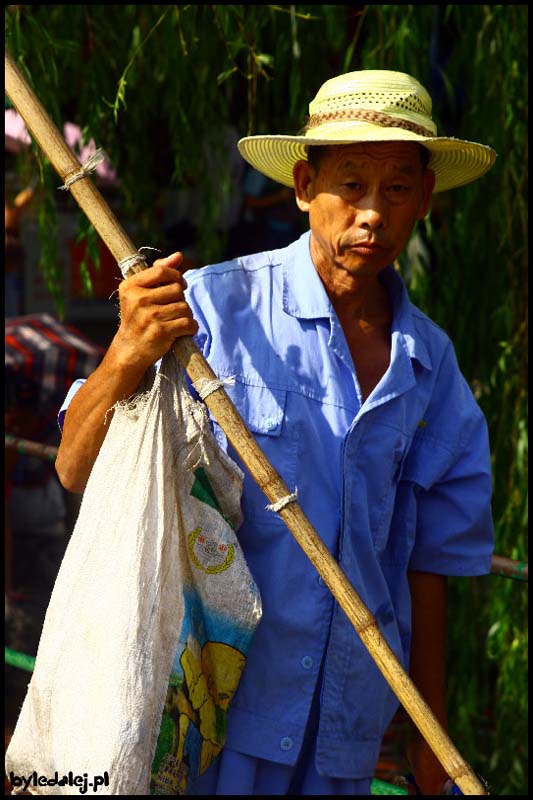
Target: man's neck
355, 297
359, 299
366, 302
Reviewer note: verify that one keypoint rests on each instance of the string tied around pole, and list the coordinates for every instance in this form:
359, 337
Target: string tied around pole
86, 169
205, 387
283, 501
127, 265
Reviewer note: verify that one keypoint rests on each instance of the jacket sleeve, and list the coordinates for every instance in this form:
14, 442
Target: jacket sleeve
454, 527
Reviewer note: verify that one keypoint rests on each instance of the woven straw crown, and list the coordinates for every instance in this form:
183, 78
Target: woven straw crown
371, 106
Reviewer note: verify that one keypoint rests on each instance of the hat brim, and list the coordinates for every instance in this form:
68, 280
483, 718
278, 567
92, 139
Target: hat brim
455, 162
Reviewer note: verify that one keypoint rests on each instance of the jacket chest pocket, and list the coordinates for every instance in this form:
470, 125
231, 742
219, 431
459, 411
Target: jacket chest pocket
263, 409
379, 458
392, 473
414, 468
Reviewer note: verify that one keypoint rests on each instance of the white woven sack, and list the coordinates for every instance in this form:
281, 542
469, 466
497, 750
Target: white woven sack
109, 642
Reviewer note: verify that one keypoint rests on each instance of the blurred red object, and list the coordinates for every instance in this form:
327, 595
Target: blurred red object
104, 279
43, 357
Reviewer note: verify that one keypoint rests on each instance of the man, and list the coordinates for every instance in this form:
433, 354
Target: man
356, 398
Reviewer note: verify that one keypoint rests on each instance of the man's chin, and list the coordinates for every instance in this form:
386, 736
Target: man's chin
359, 266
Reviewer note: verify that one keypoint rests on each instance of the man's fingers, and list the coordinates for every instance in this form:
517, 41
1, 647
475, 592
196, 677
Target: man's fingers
174, 260
162, 295
172, 311
159, 274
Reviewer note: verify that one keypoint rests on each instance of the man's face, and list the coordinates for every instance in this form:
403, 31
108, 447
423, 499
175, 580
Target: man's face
363, 201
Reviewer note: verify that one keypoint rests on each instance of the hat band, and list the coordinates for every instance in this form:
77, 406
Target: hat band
368, 116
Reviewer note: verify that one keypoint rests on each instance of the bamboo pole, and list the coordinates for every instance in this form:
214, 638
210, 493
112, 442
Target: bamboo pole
509, 568
28, 448
192, 360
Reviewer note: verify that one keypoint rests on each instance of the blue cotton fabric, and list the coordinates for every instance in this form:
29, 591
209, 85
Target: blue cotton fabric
399, 482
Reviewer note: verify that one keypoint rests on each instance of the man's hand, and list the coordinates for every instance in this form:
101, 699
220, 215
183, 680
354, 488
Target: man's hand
153, 314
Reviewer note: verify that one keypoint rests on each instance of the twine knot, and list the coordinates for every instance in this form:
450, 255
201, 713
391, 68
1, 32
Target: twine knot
86, 168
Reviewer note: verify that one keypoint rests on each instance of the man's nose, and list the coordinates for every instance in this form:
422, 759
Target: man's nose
371, 214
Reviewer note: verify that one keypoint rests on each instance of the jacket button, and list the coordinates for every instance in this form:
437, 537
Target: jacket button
286, 743
307, 662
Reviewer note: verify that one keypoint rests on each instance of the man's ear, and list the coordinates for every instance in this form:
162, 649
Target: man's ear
303, 174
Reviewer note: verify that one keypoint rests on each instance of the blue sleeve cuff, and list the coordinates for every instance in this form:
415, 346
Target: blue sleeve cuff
66, 402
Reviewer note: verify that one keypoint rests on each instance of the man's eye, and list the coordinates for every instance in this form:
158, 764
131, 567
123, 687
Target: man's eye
352, 185
398, 187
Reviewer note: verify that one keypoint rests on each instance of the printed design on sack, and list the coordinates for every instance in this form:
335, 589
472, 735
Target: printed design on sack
207, 552
204, 551
222, 609
194, 719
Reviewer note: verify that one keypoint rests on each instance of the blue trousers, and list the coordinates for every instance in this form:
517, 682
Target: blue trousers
238, 774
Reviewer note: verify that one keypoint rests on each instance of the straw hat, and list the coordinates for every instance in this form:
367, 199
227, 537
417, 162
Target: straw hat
370, 106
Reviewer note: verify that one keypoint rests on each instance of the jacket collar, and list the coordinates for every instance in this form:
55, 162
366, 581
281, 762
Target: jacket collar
305, 297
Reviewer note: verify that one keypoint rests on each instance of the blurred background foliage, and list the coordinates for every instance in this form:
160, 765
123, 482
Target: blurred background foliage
156, 86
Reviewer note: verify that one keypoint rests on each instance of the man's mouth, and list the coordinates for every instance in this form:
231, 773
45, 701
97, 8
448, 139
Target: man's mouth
366, 247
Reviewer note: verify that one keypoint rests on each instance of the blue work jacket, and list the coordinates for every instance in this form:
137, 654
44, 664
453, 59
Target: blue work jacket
399, 482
